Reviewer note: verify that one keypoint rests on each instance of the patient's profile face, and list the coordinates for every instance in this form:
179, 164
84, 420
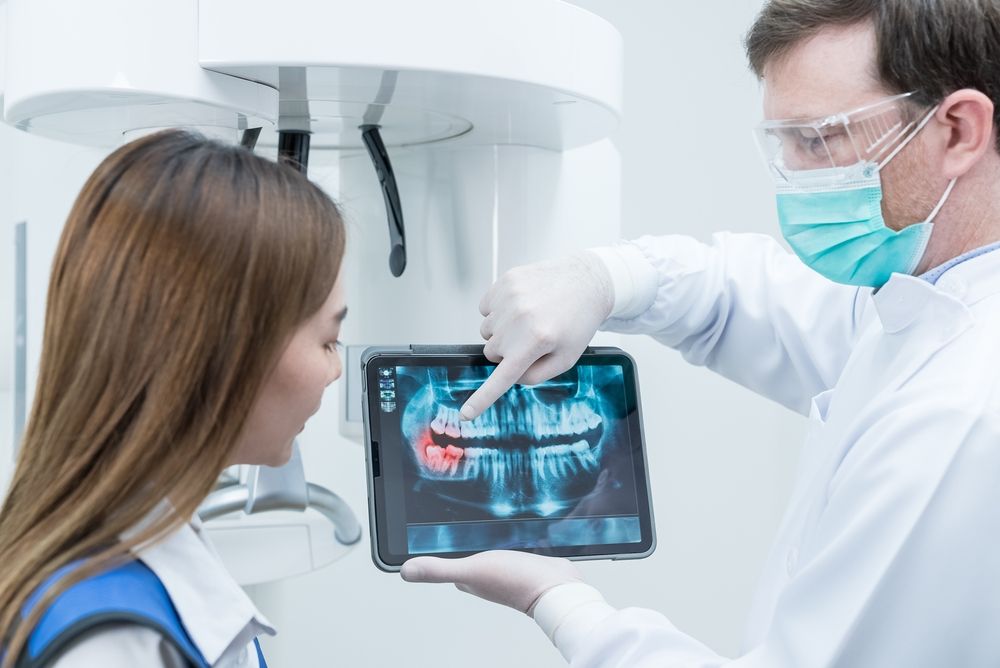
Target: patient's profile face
294, 390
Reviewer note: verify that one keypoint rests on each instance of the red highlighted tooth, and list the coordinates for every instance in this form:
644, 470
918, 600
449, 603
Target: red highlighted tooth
433, 456
442, 459
453, 456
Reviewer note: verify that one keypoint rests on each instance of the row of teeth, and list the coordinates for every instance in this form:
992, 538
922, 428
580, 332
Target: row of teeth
494, 464
501, 422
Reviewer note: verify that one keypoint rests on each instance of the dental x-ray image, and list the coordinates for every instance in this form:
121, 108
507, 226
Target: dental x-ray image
554, 460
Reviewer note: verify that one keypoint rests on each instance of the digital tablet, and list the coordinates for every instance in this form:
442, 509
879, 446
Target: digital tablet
557, 468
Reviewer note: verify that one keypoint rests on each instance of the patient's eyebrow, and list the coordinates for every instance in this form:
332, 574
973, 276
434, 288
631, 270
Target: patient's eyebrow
339, 316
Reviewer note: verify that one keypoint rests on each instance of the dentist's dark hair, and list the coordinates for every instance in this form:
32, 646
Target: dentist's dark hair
933, 47
184, 268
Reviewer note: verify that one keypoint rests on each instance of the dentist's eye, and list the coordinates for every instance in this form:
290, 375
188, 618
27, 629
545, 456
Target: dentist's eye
811, 143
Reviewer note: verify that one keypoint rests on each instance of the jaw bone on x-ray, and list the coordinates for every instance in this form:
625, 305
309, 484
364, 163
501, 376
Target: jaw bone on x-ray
537, 452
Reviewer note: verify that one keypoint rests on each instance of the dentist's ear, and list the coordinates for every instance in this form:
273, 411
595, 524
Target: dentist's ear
966, 119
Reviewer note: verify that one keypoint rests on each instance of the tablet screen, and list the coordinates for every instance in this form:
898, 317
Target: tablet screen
556, 467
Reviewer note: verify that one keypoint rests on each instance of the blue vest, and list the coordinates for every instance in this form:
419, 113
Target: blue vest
130, 593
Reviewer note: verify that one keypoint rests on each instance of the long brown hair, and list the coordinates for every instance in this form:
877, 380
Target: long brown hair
183, 269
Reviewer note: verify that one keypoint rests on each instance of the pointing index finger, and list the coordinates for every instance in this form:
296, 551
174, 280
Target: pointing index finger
507, 373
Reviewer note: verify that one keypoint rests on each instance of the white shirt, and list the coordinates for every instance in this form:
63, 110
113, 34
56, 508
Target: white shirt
889, 552
219, 617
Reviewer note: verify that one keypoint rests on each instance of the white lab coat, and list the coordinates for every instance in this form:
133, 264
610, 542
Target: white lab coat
889, 552
219, 617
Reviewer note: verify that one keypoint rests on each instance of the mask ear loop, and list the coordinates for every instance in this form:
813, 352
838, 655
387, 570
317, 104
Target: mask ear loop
929, 222
920, 126
941, 202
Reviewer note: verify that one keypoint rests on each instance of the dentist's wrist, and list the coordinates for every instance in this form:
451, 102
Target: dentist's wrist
568, 613
633, 279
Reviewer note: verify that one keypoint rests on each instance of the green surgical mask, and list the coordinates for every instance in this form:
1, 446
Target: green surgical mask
839, 232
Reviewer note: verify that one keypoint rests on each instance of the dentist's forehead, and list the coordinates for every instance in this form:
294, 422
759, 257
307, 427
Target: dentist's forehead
831, 72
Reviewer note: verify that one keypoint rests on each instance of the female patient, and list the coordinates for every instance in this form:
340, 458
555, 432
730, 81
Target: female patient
192, 321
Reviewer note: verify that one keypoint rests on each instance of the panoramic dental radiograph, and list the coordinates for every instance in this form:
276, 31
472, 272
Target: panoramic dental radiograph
552, 450
554, 468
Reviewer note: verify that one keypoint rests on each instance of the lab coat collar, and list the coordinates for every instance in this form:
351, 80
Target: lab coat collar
215, 611
974, 279
905, 299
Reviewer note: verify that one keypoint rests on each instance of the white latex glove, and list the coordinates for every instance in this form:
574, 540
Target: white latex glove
539, 319
514, 579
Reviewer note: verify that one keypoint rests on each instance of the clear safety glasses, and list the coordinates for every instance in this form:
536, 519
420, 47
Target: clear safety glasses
798, 149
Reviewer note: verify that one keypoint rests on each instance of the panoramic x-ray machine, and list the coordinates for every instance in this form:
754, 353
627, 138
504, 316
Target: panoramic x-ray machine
461, 138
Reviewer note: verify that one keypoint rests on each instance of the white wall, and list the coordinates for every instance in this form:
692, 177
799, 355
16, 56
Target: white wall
6, 292
720, 458
39, 179
6, 343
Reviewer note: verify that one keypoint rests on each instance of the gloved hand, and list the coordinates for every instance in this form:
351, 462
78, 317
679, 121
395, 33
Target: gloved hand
514, 579
539, 319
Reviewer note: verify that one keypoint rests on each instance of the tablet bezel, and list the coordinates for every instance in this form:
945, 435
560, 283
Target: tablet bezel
374, 357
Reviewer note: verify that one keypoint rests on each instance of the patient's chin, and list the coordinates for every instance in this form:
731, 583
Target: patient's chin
276, 455
282, 456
